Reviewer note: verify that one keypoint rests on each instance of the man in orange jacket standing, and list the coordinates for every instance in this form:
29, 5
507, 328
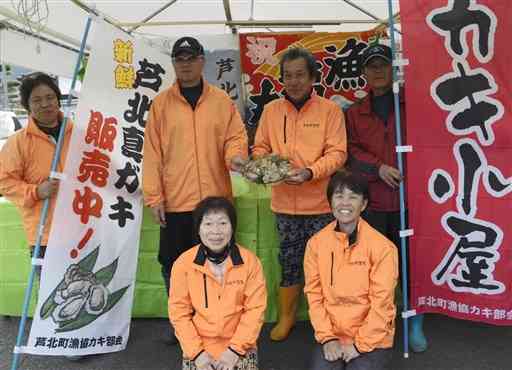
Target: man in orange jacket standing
309, 131
194, 137
351, 273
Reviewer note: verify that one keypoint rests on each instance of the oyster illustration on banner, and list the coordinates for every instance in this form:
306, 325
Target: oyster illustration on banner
82, 295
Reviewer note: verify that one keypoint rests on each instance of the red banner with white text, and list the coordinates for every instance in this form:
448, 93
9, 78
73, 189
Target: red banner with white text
459, 118
338, 59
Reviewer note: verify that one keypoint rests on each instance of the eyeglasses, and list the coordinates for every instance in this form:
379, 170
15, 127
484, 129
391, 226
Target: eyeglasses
39, 101
185, 60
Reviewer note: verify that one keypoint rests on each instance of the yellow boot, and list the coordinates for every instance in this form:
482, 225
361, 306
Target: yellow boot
288, 302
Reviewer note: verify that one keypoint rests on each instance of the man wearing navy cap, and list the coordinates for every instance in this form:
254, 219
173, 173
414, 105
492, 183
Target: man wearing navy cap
194, 136
371, 135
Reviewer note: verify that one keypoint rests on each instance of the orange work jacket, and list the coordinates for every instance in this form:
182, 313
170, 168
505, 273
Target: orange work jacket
187, 153
210, 316
25, 162
350, 288
313, 137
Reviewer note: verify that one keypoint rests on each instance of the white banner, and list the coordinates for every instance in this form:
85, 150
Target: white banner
88, 277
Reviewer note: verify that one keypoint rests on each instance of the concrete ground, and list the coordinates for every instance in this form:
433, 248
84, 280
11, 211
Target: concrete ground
454, 345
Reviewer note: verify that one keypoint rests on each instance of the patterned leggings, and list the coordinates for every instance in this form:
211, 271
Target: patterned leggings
294, 233
248, 362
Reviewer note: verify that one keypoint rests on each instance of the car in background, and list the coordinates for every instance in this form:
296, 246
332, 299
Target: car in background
9, 124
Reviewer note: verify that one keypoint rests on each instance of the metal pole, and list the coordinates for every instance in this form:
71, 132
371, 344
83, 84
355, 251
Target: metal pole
366, 12
403, 244
3, 77
251, 18
12, 15
9, 27
44, 214
265, 23
4, 86
229, 18
153, 15
92, 10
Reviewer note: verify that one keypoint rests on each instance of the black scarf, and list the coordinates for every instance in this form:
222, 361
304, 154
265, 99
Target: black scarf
217, 257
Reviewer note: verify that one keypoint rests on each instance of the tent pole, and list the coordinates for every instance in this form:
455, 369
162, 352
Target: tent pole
229, 18
90, 10
371, 15
5, 103
364, 11
403, 225
153, 15
253, 5
9, 27
42, 221
266, 23
12, 15
381, 27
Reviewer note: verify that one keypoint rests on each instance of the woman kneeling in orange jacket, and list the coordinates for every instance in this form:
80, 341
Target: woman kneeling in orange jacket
218, 297
351, 271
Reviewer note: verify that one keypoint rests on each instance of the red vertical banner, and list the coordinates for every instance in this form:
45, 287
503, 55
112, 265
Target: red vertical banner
459, 185
338, 57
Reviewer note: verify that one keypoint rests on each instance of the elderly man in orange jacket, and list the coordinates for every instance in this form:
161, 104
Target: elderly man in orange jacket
26, 158
194, 137
310, 131
351, 273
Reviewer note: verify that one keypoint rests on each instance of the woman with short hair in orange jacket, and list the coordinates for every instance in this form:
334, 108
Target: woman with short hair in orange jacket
218, 296
26, 157
351, 272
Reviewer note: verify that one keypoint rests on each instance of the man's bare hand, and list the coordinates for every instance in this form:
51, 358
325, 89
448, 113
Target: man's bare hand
298, 176
158, 213
390, 175
238, 163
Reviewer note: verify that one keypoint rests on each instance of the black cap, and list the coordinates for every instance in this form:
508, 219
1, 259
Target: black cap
377, 50
189, 45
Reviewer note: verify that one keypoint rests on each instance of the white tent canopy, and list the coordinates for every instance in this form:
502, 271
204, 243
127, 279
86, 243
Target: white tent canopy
66, 21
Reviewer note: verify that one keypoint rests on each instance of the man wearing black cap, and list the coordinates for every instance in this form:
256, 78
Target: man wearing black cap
372, 151
194, 136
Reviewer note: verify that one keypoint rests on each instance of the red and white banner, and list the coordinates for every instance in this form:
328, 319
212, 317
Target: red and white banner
338, 58
459, 123
88, 274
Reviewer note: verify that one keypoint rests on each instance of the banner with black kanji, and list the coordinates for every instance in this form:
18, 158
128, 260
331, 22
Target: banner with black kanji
88, 275
338, 57
459, 176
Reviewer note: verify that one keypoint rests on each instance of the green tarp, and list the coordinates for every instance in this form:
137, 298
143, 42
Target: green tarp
256, 230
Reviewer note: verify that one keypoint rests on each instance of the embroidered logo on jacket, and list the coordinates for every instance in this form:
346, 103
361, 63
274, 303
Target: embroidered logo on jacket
357, 263
312, 125
235, 282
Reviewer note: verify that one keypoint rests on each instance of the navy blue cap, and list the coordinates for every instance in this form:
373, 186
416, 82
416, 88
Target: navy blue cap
377, 51
188, 45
